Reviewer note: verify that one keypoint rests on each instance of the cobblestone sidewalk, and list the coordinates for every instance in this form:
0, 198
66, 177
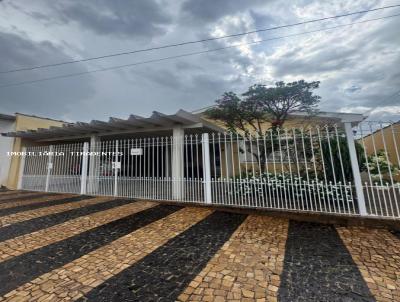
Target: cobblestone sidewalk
64, 247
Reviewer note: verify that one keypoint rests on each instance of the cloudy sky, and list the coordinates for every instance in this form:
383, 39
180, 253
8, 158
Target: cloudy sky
358, 66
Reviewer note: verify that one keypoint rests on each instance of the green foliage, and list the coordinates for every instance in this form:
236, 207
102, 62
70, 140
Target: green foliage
238, 114
261, 103
281, 100
233, 112
379, 164
337, 159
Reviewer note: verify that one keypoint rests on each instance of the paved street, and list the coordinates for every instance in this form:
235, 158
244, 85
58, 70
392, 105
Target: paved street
63, 247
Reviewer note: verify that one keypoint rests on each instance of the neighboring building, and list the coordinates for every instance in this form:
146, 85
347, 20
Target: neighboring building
7, 124
388, 137
9, 165
385, 140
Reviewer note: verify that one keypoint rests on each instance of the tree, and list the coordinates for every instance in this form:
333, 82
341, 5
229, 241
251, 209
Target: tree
249, 112
238, 114
260, 104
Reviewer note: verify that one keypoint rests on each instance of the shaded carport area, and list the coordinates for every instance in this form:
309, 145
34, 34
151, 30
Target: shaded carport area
159, 157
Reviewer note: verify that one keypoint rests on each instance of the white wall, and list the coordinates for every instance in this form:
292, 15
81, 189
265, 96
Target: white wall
6, 145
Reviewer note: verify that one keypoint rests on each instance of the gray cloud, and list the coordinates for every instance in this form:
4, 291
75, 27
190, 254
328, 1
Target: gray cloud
139, 18
55, 99
164, 77
358, 67
322, 61
212, 10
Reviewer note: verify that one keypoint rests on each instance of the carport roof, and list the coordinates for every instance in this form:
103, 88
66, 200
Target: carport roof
115, 126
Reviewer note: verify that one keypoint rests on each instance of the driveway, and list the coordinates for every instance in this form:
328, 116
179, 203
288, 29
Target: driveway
59, 247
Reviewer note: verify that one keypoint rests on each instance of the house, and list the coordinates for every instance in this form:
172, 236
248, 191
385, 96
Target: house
9, 165
175, 139
187, 157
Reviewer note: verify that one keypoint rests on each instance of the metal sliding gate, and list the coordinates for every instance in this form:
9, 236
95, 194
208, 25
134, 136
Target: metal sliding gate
54, 168
328, 169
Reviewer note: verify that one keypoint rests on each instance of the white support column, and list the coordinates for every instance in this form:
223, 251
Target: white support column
49, 167
21, 169
84, 167
355, 168
117, 167
177, 168
94, 165
206, 167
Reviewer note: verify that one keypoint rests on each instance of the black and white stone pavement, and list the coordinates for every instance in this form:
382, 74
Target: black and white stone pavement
311, 261
35, 224
39, 204
23, 268
165, 273
318, 267
24, 196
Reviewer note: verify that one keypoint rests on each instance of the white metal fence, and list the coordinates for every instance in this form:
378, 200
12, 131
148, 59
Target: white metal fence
380, 164
328, 169
54, 168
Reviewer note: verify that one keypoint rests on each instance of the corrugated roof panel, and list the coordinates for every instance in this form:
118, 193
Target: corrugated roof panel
133, 124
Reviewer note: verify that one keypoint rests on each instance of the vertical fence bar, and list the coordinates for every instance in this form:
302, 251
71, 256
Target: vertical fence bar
49, 167
355, 169
116, 168
21, 169
206, 167
84, 167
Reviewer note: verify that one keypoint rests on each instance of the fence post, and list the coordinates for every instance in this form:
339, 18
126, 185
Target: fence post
84, 167
117, 166
206, 167
94, 165
177, 164
49, 167
21, 168
355, 169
